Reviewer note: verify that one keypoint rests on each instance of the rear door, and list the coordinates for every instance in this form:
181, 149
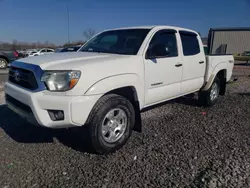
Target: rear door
163, 69
194, 62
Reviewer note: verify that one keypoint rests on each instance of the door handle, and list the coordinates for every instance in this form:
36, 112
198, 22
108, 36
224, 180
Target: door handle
178, 65
201, 62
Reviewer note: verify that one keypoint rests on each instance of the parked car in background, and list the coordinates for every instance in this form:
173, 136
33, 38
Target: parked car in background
71, 49
22, 54
32, 53
43, 51
28, 51
246, 53
58, 50
7, 57
113, 77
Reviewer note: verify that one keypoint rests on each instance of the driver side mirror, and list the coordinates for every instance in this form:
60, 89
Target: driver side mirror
157, 51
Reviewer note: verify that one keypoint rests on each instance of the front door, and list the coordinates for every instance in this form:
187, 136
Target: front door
163, 68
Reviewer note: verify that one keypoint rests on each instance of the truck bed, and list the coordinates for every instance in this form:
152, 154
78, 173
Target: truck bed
216, 62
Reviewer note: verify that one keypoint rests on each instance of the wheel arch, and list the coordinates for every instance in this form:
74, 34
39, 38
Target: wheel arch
126, 85
117, 83
222, 75
130, 93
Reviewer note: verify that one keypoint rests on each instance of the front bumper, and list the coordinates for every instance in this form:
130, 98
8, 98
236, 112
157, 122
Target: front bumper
34, 106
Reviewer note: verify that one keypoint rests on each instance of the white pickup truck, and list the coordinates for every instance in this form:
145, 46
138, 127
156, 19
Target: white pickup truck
112, 78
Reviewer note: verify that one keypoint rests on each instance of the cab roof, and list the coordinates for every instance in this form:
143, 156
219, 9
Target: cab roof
154, 27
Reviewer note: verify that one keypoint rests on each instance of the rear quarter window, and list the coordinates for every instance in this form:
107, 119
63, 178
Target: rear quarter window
205, 50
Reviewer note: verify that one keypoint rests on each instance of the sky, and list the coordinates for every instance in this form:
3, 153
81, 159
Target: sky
42, 20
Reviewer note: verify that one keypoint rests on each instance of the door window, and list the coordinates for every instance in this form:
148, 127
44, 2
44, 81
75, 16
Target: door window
190, 43
163, 44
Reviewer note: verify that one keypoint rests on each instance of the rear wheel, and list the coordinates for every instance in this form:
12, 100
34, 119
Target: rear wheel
3, 63
210, 97
111, 123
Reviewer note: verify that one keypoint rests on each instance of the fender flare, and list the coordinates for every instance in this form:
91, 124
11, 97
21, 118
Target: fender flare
214, 73
110, 83
209, 82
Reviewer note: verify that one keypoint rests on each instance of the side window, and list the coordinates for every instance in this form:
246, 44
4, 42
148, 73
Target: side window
163, 44
44, 50
190, 43
49, 50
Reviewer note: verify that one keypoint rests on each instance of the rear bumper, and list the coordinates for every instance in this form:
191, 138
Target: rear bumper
34, 106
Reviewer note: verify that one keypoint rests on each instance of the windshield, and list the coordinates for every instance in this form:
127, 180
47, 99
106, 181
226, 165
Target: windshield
125, 41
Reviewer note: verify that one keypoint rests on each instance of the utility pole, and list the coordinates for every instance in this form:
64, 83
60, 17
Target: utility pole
68, 22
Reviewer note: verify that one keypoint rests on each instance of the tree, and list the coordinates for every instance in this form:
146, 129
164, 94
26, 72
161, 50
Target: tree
14, 44
88, 33
46, 43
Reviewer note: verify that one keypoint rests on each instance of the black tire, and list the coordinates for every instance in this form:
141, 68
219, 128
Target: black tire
96, 119
205, 98
3, 63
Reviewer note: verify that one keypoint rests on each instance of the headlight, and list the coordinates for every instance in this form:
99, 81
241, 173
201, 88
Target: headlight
60, 80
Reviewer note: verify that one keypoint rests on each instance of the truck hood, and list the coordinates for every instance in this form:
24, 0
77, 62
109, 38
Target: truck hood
69, 59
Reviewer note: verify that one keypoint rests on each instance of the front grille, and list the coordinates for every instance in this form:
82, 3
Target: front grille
23, 78
18, 104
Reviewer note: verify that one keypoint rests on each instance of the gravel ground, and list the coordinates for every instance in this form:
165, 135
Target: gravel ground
3, 78
181, 145
1, 93
3, 71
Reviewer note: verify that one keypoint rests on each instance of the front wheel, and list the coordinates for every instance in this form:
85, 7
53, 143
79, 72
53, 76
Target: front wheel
111, 123
210, 97
3, 63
